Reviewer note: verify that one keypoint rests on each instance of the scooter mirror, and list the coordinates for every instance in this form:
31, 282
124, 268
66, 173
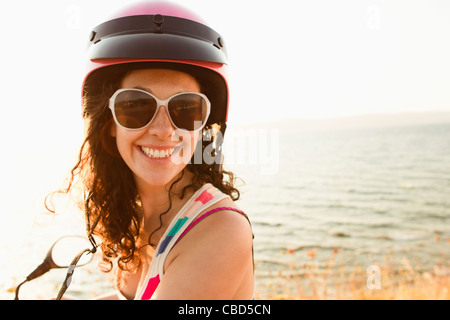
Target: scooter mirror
65, 248
60, 255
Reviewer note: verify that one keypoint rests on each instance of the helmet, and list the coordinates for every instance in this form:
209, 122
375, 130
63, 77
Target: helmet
162, 35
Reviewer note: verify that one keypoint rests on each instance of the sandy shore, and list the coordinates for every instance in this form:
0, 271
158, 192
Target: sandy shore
380, 281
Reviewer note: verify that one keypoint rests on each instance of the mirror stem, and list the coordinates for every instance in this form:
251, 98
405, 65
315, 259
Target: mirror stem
40, 270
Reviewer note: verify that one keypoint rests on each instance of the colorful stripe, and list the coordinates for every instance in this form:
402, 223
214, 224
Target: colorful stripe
177, 226
204, 197
151, 288
164, 244
171, 234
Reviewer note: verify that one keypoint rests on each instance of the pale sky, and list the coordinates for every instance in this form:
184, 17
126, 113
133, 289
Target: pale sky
307, 59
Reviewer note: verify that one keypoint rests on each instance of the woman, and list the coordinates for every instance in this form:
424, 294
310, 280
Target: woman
155, 100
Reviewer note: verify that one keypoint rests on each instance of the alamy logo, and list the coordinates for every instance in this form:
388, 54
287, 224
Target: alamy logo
258, 148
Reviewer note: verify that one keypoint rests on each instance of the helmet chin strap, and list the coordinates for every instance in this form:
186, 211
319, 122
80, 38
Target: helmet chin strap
210, 146
218, 150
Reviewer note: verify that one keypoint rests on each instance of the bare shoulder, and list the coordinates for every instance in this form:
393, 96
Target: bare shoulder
213, 260
225, 227
226, 224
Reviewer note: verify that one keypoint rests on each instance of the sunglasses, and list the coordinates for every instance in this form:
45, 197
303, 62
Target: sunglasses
134, 109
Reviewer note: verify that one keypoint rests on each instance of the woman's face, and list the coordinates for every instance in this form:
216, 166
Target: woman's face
148, 152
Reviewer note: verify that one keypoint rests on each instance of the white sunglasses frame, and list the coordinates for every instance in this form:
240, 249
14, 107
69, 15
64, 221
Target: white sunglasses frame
160, 103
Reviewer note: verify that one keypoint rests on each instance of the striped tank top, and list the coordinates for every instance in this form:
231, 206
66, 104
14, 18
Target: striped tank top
185, 220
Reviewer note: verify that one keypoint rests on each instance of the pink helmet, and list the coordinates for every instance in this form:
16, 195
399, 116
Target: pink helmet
163, 35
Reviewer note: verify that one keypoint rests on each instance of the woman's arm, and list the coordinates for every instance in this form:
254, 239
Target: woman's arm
213, 261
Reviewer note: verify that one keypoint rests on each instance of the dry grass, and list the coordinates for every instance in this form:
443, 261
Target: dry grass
330, 281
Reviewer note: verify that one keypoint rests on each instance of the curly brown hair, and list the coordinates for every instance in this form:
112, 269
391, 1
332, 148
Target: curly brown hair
112, 205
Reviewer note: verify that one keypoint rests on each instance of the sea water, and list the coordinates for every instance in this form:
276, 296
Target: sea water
365, 196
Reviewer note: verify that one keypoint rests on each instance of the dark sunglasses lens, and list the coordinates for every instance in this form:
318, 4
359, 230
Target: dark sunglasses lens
134, 109
188, 111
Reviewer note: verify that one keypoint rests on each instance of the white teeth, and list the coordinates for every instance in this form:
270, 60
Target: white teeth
157, 154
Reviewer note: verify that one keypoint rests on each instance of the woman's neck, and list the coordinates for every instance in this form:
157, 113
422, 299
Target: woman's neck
155, 199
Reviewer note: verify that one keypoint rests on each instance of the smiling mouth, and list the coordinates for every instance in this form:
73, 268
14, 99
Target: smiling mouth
157, 153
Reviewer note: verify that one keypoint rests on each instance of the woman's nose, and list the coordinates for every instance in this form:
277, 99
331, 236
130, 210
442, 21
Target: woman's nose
161, 125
